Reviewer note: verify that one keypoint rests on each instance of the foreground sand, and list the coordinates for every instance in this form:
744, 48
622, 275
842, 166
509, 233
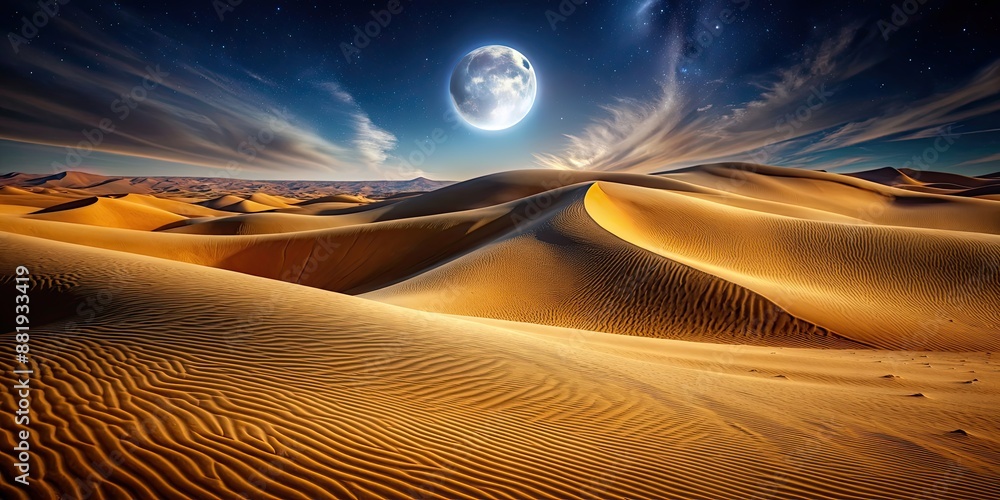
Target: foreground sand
202, 383
561, 335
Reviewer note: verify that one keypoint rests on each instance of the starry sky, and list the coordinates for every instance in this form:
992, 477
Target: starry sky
265, 89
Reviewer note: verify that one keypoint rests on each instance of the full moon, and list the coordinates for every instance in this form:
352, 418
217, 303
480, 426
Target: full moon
493, 87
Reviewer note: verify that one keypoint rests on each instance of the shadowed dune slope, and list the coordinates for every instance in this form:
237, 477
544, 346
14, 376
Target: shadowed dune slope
563, 269
886, 175
984, 187
891, 287
347, 259
189, 389
504, 187
263, 223
931, 177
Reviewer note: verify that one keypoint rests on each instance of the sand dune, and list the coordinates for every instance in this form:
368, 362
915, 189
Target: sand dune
278, 391
173, 206
986, 187
654, 256
64, 193
247, 207
13, 191
70, 179
361, 258
120, 186
271, 201
579, 275
107, 212
259, 223
230, 203
924, 277
505, 187
848, 196
336, 198
352, 259
20, 201
222, 201
601, 282
886, 175
929, 176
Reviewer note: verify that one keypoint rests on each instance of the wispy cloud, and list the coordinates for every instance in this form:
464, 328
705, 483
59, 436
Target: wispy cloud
671, 131
337, 92
989, 159
188, 113
373, 143
925, 117
802, 109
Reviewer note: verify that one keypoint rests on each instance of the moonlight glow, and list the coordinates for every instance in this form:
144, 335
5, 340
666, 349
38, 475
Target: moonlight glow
493, 87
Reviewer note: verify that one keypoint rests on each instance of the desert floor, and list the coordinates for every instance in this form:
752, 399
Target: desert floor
725, 331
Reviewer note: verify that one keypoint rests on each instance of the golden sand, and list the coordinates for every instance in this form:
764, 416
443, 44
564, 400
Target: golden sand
727, 331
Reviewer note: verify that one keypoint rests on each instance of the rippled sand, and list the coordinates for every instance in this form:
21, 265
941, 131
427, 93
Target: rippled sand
728, 331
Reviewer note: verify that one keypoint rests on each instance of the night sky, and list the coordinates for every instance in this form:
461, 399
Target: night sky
279, 90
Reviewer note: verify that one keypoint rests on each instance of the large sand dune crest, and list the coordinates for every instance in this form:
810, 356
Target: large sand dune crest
108, 212
817, 276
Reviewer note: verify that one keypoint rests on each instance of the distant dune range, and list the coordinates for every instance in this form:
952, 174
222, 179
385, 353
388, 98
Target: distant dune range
722, 331
213, 186
936, 182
